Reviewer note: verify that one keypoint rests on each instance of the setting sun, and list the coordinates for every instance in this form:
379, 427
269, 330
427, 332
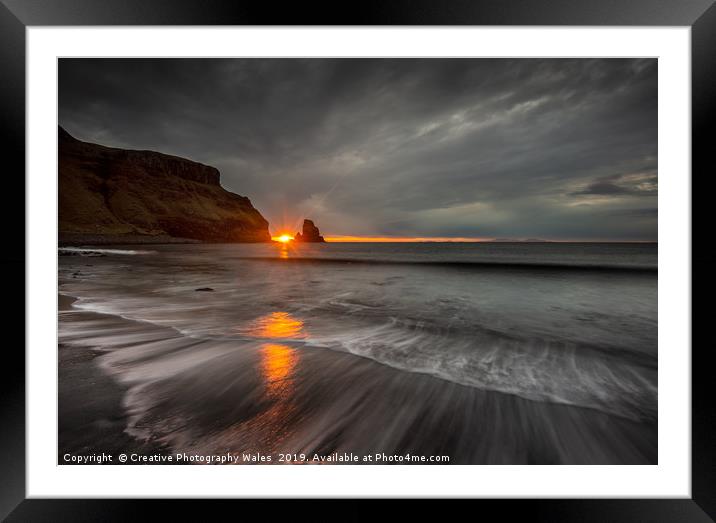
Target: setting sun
284, 238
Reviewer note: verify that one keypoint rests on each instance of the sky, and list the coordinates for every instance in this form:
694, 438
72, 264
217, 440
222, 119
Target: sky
556, 149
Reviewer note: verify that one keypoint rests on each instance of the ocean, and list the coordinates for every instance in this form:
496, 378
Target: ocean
487, 353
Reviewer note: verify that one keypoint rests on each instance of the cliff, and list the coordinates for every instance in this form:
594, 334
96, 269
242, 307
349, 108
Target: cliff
309, 233
108, 191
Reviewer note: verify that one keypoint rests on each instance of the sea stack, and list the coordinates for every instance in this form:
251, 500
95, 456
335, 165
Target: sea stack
309, 234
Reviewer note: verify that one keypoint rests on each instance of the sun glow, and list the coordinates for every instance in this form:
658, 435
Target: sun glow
284, 238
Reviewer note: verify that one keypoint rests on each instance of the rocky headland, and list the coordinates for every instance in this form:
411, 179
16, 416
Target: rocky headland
114, 194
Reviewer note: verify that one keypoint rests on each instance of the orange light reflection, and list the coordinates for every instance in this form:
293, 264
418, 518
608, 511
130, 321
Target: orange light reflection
277, 325
275, 422
277, 364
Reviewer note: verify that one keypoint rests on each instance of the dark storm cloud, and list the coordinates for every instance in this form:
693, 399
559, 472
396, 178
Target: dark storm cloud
634, 184
411, 147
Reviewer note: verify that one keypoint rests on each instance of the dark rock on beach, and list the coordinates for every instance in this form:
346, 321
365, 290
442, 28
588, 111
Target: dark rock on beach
204, 289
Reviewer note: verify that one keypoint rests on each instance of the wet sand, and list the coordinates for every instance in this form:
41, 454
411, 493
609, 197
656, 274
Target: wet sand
64, 302
91, 418
128, 386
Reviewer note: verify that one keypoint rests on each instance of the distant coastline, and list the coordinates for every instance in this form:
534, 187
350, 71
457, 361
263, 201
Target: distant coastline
80, 239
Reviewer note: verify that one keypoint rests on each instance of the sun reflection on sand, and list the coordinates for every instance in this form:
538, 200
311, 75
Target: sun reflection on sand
274, 422
277, 325
277, 360
277, 364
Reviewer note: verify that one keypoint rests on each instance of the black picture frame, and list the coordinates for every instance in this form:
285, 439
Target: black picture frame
16, 15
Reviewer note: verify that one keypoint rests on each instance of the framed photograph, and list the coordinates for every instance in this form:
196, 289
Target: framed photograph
425, 253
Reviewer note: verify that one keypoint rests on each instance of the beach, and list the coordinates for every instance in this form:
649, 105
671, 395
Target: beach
358, 351
91, 416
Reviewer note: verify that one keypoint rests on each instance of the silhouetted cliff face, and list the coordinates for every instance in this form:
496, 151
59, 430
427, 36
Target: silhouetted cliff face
108, 191
310, 233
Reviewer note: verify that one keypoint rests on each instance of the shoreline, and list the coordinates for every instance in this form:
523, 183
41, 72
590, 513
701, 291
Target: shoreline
78, 239
99, 425
65, 301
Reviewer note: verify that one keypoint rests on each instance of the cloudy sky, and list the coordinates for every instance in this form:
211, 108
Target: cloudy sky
469, 148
